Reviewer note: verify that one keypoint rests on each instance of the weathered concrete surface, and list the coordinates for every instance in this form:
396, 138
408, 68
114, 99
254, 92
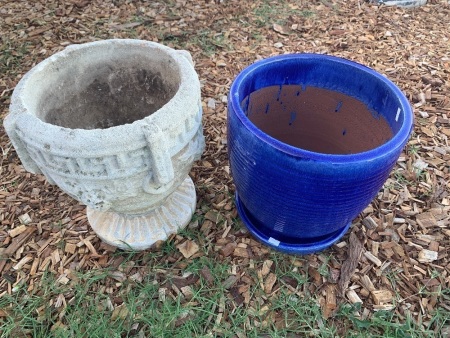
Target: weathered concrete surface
116, 124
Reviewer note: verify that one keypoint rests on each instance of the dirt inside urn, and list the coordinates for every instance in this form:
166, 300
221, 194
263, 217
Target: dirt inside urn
316, 119
112, 96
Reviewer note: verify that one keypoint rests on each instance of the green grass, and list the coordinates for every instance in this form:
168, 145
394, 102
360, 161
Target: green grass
211, 312
12, 55
209, 41
381, 324
413, 149
11, 62
269, 12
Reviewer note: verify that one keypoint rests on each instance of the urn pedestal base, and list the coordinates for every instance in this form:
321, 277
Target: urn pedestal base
140, 232
291, 245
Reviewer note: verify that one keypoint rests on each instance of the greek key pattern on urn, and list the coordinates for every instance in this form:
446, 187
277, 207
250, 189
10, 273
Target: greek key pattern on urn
117, 165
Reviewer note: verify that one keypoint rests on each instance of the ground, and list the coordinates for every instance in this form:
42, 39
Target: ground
389, 276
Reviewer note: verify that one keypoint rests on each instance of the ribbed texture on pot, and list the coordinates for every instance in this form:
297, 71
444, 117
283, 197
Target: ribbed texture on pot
293, 199
279, 189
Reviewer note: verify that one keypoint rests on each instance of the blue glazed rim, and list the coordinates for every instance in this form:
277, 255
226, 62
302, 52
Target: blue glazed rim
290, 248
399, 139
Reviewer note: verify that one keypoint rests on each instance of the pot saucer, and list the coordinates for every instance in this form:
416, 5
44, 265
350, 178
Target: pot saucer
290, 247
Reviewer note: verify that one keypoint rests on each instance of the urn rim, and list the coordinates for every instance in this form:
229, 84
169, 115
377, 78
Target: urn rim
187, 90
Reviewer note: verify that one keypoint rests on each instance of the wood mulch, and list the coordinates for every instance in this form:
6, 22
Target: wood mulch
396, 256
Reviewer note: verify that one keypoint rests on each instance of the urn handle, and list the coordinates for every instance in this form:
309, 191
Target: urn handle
161, 177
11, 124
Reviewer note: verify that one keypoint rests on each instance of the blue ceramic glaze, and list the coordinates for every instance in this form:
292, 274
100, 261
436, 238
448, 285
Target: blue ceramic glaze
299, 201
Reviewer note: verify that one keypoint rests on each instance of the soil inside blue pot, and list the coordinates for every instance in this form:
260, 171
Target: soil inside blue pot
316, 119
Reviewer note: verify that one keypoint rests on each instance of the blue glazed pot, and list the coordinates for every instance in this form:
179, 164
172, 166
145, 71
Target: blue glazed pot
299, 200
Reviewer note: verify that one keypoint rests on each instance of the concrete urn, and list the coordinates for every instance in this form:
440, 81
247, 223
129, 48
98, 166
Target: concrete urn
116, 124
